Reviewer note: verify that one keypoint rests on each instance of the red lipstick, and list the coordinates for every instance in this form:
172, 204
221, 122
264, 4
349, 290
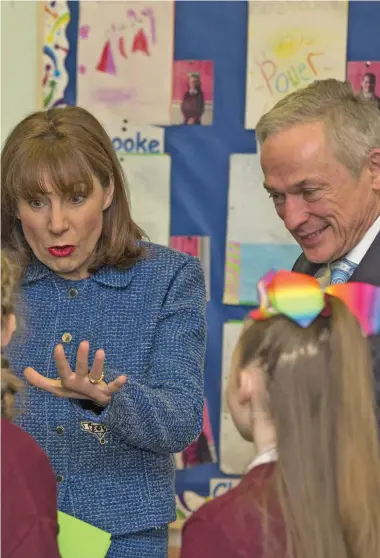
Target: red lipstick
61, 251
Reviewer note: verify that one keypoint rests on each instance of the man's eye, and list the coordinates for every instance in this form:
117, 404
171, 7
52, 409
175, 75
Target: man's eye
277, 198
310, 194
36, 204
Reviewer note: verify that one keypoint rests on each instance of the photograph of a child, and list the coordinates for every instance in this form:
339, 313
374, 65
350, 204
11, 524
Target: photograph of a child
202, 450
365, 79
193, 91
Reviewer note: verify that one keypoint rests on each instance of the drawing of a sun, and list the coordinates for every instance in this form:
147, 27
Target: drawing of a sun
289, 44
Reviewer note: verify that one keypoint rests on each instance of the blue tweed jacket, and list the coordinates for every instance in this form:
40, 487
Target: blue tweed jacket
115, 470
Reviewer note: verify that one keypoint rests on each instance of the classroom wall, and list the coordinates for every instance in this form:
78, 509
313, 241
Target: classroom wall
18, 61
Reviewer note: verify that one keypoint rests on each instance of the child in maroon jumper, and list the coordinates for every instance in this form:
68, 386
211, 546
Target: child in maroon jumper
301, 389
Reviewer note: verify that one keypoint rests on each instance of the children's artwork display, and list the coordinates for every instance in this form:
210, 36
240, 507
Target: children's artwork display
55, 17
198, 246
235, 453
291, 44
256, 237
148, 182
125, 59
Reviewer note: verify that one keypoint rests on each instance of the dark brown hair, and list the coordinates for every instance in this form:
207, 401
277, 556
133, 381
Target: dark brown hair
320, 396
64, 147
9, 383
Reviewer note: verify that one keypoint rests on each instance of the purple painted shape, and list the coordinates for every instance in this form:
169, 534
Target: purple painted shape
84, 31
112, 96
149, 13
111, 68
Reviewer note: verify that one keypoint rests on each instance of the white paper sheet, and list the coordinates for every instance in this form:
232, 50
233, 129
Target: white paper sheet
291, 44
257, 239
133, 138
148, 179
125, 59
235, 453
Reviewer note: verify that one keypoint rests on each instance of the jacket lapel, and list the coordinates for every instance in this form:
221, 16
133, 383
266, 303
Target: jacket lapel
368, 271
303, 265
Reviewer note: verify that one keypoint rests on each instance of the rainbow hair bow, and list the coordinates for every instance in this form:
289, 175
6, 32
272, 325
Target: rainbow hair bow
300, 298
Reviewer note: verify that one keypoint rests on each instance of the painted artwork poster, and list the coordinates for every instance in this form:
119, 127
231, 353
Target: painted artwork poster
257, 239
291, 44
202, 450
125, 60
365, 79
55, 17
193, 92
235, 453
148, 183
199, 247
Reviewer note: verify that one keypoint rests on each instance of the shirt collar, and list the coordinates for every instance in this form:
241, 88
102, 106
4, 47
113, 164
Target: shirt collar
357, 254
107, 275
266, 456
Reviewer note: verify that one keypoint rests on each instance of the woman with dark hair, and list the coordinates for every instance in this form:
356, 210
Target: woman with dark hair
115, 331
193, 104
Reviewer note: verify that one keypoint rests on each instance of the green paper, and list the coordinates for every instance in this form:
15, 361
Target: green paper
78, 539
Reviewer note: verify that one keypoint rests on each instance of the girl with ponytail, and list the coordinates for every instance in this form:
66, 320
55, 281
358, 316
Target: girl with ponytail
301, 390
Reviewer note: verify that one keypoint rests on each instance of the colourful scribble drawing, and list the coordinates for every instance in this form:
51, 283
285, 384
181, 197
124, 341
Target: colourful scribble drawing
188, 502
132, 36
55, 50
291, 44
232, 273
295, 62
124, 50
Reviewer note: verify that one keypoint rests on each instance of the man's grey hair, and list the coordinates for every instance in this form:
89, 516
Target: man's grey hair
352, 124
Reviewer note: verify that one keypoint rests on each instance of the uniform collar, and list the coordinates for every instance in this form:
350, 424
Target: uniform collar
106, 275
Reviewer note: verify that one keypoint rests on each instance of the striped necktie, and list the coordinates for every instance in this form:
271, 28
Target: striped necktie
341, 271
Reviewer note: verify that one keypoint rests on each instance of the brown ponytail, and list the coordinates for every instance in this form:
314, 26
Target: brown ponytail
320, 392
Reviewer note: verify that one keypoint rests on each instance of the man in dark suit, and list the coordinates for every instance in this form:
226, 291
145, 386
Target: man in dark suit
321, 161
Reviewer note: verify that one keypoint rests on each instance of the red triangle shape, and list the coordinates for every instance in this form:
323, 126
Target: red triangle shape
140, 42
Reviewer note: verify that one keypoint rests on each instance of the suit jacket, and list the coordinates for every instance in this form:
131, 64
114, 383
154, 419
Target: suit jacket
232, 525
115, 469
28, 497
368, 271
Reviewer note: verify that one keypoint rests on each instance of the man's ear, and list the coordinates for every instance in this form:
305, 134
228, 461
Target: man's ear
374, 168
108, 194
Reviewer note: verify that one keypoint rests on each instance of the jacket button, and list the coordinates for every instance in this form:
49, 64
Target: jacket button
59, 430
59, 478
67, 337
73, 293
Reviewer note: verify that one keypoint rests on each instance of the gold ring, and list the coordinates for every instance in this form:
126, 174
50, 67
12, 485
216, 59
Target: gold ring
93, 381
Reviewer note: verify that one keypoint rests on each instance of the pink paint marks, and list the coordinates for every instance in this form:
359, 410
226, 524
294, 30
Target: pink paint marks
82, 69
84, 31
